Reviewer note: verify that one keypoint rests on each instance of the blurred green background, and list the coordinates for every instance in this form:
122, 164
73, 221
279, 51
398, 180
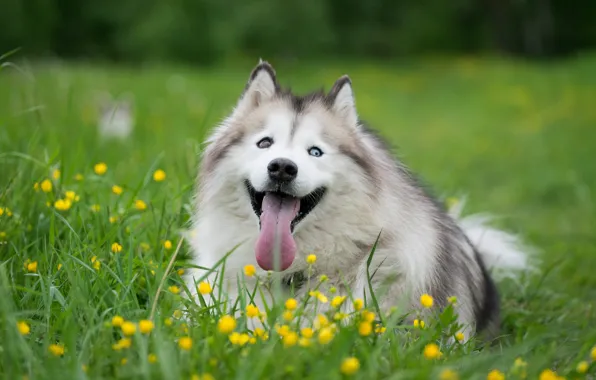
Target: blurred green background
208, 31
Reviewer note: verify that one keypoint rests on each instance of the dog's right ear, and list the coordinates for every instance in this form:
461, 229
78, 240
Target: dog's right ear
261, 86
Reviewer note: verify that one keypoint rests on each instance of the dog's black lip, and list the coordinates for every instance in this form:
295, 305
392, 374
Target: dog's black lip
307, 203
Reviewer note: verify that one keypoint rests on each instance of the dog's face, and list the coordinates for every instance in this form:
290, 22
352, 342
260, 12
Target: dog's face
286, 153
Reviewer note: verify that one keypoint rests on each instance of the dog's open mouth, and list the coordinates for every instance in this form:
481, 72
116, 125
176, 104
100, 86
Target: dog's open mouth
306, 203
279, 213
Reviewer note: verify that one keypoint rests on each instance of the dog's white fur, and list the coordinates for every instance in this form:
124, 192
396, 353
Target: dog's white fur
421, 249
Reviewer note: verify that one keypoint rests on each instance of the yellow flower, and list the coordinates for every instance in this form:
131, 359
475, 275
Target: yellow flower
325, 335
320, 296
113, 219
226, 324
1, 211
460, 336
432, 351
56, 349
582, 367
239, 339
321, 321
323, 278
117, 321
250, 270
290, 339
23, 328
140, 205
185, 343
36, 186
167, 244
426, 300
337, 301
282, 330
339, 316
62, 204
365, 328
307, 332
128, 328
32, 267
379, 329
159, 175
204, 288
180, 272
311, 259
207, 376
71, 195
368, 316
252, 311
333, 290
288, 316
116, 248
593, 353
59, 266
95, 208
350, 366
452, 300
177, 314
122, 344
79, 177
495, 374
56, 174
3, 236
419, 323
123, 361
358, 304
46, 186
548, 374
146, 326
448, 374
96, 264
152, 358
259, 332
117, 190
291, 304
100, 168
174, 289
304, 342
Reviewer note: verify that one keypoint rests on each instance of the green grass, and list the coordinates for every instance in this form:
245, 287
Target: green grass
517, 138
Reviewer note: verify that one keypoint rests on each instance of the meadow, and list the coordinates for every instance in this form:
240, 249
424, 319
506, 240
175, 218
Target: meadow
88, 227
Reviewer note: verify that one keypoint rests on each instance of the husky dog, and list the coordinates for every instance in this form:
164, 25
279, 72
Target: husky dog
116, 119
285, 176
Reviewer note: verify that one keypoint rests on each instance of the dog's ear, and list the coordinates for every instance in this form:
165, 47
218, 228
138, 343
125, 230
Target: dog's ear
341, 100
261, 86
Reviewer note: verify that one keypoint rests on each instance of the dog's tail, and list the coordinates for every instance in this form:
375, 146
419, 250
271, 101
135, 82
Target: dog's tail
503, 253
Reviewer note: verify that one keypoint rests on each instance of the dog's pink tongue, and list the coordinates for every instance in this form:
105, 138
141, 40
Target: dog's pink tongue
276, 236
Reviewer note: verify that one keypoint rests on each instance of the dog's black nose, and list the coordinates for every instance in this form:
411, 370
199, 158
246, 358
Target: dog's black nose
282, 170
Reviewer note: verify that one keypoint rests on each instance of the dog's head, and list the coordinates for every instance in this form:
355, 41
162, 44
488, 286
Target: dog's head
287, 153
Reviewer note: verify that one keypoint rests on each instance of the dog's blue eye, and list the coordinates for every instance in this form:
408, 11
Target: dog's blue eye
265, 142
315, 152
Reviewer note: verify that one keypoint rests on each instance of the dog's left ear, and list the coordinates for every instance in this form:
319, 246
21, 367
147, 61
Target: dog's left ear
341, 99
262, 86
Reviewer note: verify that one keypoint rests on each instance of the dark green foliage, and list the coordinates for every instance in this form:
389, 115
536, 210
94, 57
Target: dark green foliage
208, 31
